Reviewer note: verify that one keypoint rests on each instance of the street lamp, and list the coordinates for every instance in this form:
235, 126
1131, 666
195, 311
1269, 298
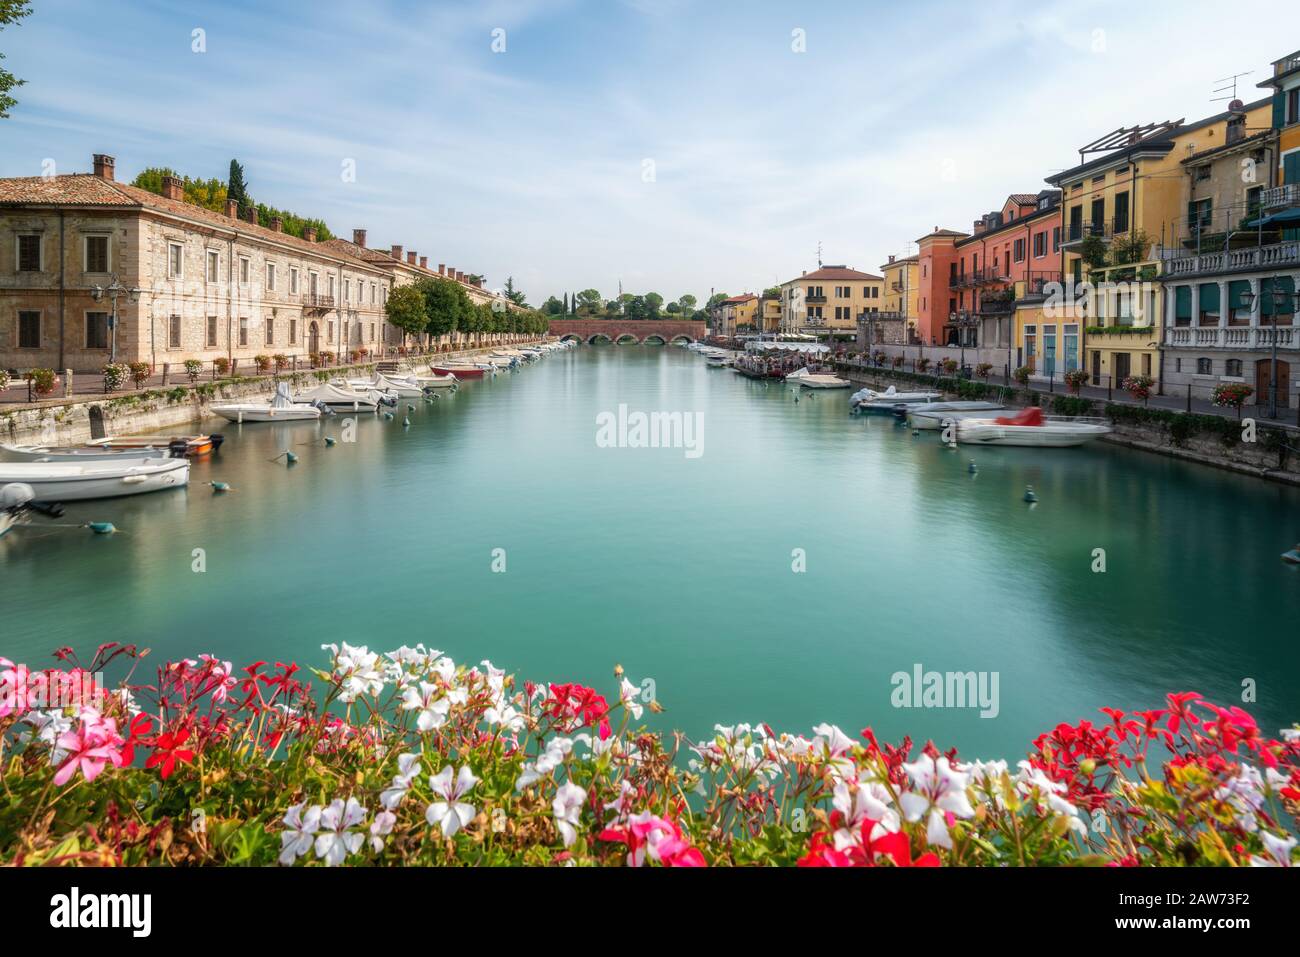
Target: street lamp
963, 320
1279, 301
113, 291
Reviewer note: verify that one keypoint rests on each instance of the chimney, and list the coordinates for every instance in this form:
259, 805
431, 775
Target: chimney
978, 227
277, 224
232, 208
173, 188
479, 283
891, 258
103, 166
442, 269
309, 233
460, 276
424, 262
410, 258
359, 237
397, 253
250, 214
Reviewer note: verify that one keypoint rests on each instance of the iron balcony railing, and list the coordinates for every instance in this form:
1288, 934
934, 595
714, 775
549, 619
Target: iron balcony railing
1106, 229
314, 300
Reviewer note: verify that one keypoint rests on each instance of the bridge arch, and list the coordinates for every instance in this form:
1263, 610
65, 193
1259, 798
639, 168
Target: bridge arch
592, 340
570, 337
627, 337
686, 339
654, 339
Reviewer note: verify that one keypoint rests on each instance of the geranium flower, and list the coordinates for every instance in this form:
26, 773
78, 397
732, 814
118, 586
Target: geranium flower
428, 700
451, 814
299, 833
336, 841
357, 671
381, 826
1278, 848
566, 808
938, 790
168, 752
650, 837
89, 747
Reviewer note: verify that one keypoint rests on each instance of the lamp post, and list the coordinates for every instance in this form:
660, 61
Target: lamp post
964, 320
1280, 298
114, 290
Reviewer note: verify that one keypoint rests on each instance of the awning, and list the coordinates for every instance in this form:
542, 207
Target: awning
1285, 216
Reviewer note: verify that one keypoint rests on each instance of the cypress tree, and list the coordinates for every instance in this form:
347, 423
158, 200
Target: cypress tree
236, 188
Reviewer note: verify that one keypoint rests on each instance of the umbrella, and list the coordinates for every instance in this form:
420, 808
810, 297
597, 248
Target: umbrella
1286, 216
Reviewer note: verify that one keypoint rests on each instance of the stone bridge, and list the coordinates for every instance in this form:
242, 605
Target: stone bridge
628, 330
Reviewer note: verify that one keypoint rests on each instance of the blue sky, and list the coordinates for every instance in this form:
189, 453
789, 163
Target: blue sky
533, 161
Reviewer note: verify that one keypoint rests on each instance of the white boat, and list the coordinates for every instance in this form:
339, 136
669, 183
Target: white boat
343, 398
390, 383
889, 398
431, 380
74, 481
932, 416
816, 380
15, 499
1030, 427
46, 453
279, 408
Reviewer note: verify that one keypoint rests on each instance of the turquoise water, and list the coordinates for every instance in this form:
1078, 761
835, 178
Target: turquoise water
680, 568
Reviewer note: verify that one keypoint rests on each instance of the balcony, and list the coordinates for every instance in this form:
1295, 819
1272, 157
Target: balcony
1250, 259
315, 302
1232, 337
1076, 233
1279, 196
814, 299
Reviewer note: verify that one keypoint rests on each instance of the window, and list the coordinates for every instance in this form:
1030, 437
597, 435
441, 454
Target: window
331, 287
29, 253
174, 332
1040, 245
329, 335
270, 277
1204, 366
243, 330
372, 294
96, 330
1019, 253
1199, 214
293, 332
243, 270
212, 332
270, 332
29, 330
1232, 367
1121, 212
372, 332
96, 254
293, 281
347, 290
1293, 105
175, 261
1201, 172
214, 265
1056, 239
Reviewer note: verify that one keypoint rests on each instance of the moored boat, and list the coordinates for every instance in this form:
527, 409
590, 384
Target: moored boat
161, 444
460, 371
1029, 427
343, 397
47, 453
885, 401
933, 415
279, 408
76, 481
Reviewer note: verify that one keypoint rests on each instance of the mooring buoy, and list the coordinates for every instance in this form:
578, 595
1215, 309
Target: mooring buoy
1292, 556
972, 468
102, 528
406, 423
220, 486
1030, 495
329, 442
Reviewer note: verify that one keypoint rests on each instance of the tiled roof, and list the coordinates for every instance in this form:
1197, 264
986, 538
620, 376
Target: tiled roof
1024, 199
359, 252
835, 272
898, 262
944, 232
742, 298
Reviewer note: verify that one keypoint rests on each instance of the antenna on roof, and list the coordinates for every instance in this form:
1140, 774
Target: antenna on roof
819, 254
1230, 84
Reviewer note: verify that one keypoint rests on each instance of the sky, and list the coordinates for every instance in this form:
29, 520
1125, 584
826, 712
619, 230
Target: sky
675, 146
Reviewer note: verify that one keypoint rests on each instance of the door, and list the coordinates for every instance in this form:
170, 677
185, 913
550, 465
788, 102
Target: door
1096, 367
1121, 365
313, 339
1264, 382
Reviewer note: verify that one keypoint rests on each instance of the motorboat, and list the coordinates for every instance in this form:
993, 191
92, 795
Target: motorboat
1029, 427
434, 381
279, 408
460, 370
195, 445
816, 380
388, 383
50, 453
934, 415
75, 481
719, 358
873, 401
17, 501
342, 397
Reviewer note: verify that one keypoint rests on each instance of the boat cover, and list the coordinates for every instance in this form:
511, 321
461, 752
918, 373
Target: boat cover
1030, 416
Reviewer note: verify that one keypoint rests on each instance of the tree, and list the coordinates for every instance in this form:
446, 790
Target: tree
589, 301
446, 305
11, 11
637, 308
236, 189
653, 303
672, 309
687, 302
716, 298
772, 292
513, 294
406, 310
553, 307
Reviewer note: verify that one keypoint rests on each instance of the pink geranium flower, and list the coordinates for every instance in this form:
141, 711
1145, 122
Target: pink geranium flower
90, 746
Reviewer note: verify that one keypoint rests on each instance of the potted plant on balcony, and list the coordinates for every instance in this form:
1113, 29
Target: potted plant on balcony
192, 369
1075, 379
1139, 386
140, 372
280, 360
983, 369
115, 376
263, 363
221, 364
1231, 395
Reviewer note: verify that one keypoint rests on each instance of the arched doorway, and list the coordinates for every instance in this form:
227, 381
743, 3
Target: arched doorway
1264, 382
313, 339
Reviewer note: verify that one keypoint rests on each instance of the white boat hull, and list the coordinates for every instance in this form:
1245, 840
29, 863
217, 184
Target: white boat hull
262, 412
32, 453
820, 382
1048, 435
71, 482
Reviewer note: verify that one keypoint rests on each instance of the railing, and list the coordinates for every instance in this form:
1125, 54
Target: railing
313, 300
1232, 337
814, 299
1287, 64
1288, 195
1234, 260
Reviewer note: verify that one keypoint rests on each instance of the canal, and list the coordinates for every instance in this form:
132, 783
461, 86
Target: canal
684, 569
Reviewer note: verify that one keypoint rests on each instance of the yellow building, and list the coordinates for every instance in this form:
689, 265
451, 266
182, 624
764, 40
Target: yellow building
737, 314
1285, 180
1126, 207
767, 314
901, 285
829, 298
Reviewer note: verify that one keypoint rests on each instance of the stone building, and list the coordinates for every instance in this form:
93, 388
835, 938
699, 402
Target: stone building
196, 284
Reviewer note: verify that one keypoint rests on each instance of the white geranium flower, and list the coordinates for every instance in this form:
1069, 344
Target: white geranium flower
567, 807
380, 827
300, 830
336, 840
431, 704
451, 814
357, 669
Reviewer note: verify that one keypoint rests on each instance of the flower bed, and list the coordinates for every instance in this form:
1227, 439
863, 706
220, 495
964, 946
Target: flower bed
408, 758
